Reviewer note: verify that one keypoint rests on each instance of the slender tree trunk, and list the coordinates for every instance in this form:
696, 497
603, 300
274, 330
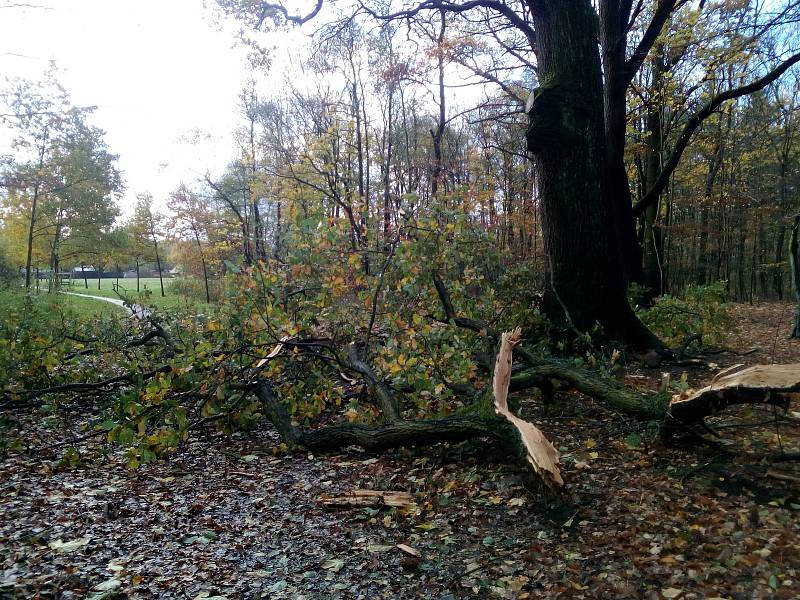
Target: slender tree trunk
701, 277
652, 237
777, 272
158, 258
438, 133
36, 190
794, 262
203, 262
55, 260
158, 263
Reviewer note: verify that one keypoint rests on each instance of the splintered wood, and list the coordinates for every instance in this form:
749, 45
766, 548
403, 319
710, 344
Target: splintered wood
759, 380
541, 454
770, 384
367, 498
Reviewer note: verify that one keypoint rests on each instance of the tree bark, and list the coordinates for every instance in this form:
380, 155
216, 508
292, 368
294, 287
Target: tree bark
566, 134
653, 264
616, 188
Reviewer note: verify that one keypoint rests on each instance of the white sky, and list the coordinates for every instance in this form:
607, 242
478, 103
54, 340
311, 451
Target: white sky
157, 70
160, 72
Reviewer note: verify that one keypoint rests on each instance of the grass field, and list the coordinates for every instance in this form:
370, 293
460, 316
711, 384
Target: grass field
149, 292
10, 299
149, 295
127, 286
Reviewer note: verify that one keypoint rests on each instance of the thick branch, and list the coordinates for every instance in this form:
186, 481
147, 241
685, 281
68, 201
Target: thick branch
379, 390
104, 385
402, 433
267, 7
631, 402
471, 324
660, 17
696, 120
499, 7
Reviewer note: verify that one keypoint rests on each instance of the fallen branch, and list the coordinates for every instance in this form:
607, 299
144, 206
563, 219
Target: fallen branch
760, 384
368, 498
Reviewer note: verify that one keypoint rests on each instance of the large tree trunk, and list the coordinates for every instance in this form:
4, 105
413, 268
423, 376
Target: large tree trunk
566, 135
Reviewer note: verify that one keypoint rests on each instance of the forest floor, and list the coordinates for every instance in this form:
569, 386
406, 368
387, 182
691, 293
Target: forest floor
228, 517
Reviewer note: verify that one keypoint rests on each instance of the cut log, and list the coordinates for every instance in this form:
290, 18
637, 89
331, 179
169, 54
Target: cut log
761, 384
541, 454
369, 499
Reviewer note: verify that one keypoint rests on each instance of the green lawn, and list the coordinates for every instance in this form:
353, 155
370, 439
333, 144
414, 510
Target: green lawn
127, 286
11, 300
89, 306
149, 292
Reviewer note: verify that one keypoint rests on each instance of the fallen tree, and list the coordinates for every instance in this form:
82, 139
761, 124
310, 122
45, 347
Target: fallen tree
207, 372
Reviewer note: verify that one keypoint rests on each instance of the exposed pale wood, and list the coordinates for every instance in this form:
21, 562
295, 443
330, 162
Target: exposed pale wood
368, 498
769, 384
409, 550
541, 454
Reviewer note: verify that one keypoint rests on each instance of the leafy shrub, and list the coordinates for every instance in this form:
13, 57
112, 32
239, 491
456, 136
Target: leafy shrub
194, 288
700, 310
8, 274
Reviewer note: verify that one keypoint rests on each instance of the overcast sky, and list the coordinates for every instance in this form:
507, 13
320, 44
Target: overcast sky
157, 70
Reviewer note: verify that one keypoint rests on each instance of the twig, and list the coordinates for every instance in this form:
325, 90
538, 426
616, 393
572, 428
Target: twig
73, 441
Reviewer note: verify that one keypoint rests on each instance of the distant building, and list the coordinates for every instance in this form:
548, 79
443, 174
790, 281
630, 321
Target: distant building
81, 271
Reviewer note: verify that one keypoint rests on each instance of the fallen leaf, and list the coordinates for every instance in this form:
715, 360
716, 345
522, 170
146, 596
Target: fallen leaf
333, 564
65, 547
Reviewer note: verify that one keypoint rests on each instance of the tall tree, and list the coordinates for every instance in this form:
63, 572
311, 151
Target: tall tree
191, 219
36, 116
147, 228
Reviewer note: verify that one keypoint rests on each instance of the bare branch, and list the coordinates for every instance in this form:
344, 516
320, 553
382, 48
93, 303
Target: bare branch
696, 120
267, 8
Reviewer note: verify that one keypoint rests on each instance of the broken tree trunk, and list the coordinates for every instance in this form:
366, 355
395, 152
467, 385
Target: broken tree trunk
772, 384
541, 454
761, 384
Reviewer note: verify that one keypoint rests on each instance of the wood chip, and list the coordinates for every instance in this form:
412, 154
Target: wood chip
409, 550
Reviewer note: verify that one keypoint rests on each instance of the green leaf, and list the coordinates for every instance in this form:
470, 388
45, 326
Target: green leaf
773, 582
633, 441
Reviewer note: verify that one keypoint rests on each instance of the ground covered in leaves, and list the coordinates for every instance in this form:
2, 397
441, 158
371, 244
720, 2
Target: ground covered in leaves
230, 517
